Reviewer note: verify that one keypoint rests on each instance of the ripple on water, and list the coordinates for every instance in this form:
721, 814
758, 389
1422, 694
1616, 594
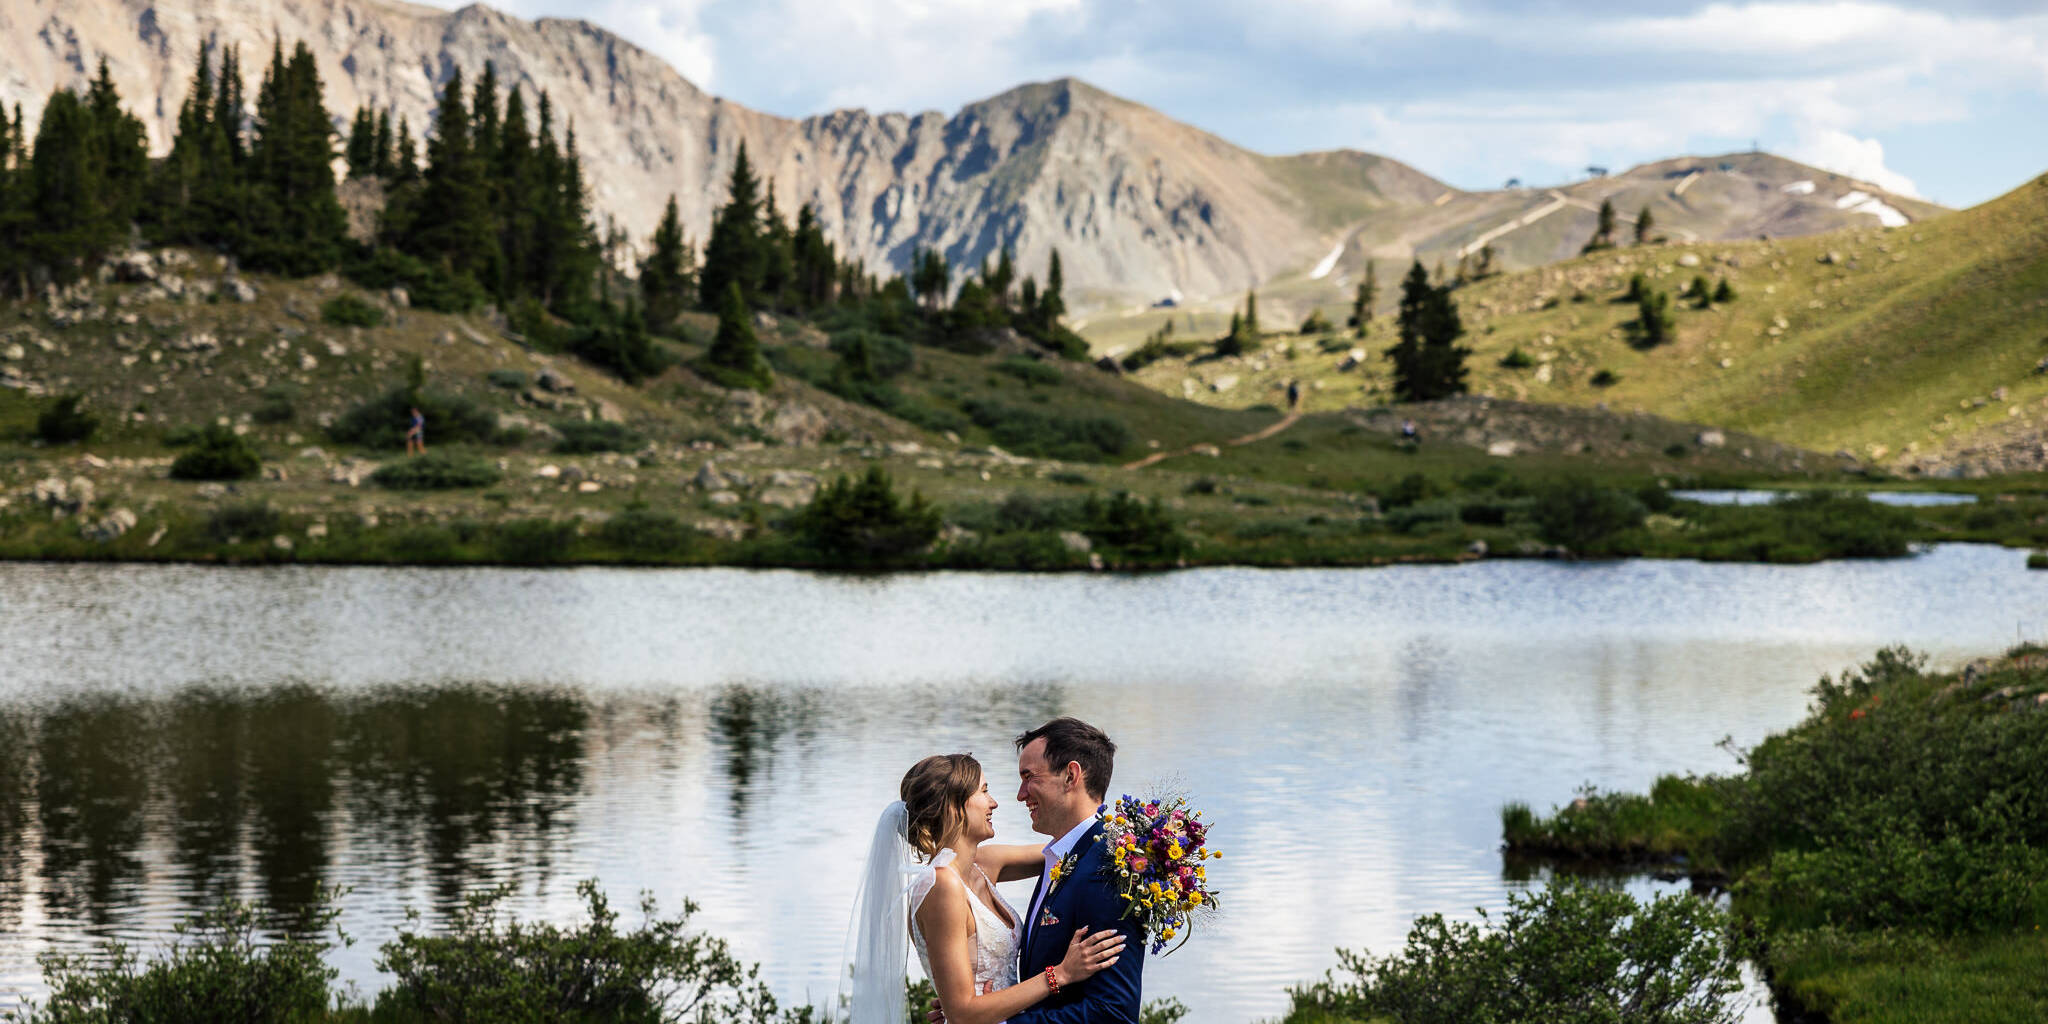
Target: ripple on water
728, 736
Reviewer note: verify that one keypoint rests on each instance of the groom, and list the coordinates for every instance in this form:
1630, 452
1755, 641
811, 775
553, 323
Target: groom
1065, 766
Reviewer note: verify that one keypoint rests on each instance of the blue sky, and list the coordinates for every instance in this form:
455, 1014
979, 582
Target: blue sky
1947, 101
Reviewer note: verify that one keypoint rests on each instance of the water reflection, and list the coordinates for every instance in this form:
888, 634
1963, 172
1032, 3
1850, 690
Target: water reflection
171, 734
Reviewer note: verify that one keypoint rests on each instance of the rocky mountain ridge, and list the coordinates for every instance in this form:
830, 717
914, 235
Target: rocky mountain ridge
1141, 207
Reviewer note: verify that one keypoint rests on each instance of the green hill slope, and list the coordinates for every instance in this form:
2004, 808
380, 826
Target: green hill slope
1918, 347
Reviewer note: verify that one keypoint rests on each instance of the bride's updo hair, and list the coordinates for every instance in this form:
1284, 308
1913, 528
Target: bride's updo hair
935, 792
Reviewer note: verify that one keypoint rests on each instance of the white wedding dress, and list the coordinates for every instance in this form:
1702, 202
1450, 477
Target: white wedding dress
995, 941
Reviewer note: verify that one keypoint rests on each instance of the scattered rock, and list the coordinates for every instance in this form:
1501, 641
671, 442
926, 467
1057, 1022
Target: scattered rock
589, 487
110, 527
797, 423
1687, 259
723, 529
723, 498
1711, 439
574, 474
548, 472
211, 491
445, 338
1108, 364
316, 530
786, 497
1501, 449
1223, 383
550, 381
1477, 549
281, 542
134, 268
400, 297
708, 478
236, 289
1207, 449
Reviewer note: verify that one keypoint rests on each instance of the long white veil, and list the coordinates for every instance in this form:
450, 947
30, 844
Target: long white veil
878, 942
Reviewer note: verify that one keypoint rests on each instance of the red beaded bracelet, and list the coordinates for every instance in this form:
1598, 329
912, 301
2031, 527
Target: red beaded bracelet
1052, 982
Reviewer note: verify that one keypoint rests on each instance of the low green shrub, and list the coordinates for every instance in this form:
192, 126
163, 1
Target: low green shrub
428, 286
1132, 527
646, 532
872, 355
1422, 516
221, 454
1572, 952
351, 310
864, 524
1042, 435
248, 520
63, 422
217, 969
278, 405
2037, 560
1030, 371
381, 422
585, 436
1516, 359
533, 541
1605, 378
490, 968
435, 471
509, 379
1581, 515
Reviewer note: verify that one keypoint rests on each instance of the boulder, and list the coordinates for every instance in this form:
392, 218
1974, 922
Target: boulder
1711, 439
708, 478
548, 472
1108, 364
1687, 259
135, 267
236, 289
786, 497
548, 380
110, 526
723, 498
1076, 542
400, 297
797, 423
574, 474
1223, 383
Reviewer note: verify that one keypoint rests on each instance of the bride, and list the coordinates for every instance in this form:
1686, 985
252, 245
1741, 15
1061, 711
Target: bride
966, 934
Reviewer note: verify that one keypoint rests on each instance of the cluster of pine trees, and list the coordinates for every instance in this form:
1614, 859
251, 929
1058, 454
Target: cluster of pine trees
68, 196
495, 210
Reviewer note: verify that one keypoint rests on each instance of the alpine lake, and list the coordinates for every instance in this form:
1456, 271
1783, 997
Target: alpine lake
173, 734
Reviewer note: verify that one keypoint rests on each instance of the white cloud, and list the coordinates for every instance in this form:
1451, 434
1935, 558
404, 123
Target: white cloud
1838, 151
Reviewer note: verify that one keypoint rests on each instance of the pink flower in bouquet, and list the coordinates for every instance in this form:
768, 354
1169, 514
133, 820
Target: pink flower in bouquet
1138, 863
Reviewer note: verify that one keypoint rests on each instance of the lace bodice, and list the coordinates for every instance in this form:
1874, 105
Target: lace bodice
995, 943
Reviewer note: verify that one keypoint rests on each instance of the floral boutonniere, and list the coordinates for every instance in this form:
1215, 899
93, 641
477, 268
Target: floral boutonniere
1061, 870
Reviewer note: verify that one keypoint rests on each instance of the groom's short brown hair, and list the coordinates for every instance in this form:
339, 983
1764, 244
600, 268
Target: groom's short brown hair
1070, 740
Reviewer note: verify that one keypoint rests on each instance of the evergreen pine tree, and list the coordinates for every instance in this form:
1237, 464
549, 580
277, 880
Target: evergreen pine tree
122, 150
67, 193
297, 225
1654, 324
405, 155
516, 174
1723, 293
778, 258
451, 222
1052, 304
15, 213
1003, 277
816, 260
1603, 231
1644, 222
361, 151
664, 284
732, 255
1362, 302
735, 354
1428, 362
1251, 315
382, 161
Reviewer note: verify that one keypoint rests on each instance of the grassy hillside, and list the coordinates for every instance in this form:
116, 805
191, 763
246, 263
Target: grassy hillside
1009, 444
1902, 345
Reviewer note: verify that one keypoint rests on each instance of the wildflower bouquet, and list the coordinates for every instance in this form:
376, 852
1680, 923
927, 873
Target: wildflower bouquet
1157, 848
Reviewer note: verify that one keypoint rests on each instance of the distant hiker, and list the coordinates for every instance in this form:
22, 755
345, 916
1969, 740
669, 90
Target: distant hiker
1409, 435
416, 435
1293, 393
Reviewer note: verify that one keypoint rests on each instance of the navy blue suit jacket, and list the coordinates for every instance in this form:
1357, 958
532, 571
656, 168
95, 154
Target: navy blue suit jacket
1086, 897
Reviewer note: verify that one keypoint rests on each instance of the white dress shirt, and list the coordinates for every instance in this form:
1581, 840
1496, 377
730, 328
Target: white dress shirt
1055, 852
